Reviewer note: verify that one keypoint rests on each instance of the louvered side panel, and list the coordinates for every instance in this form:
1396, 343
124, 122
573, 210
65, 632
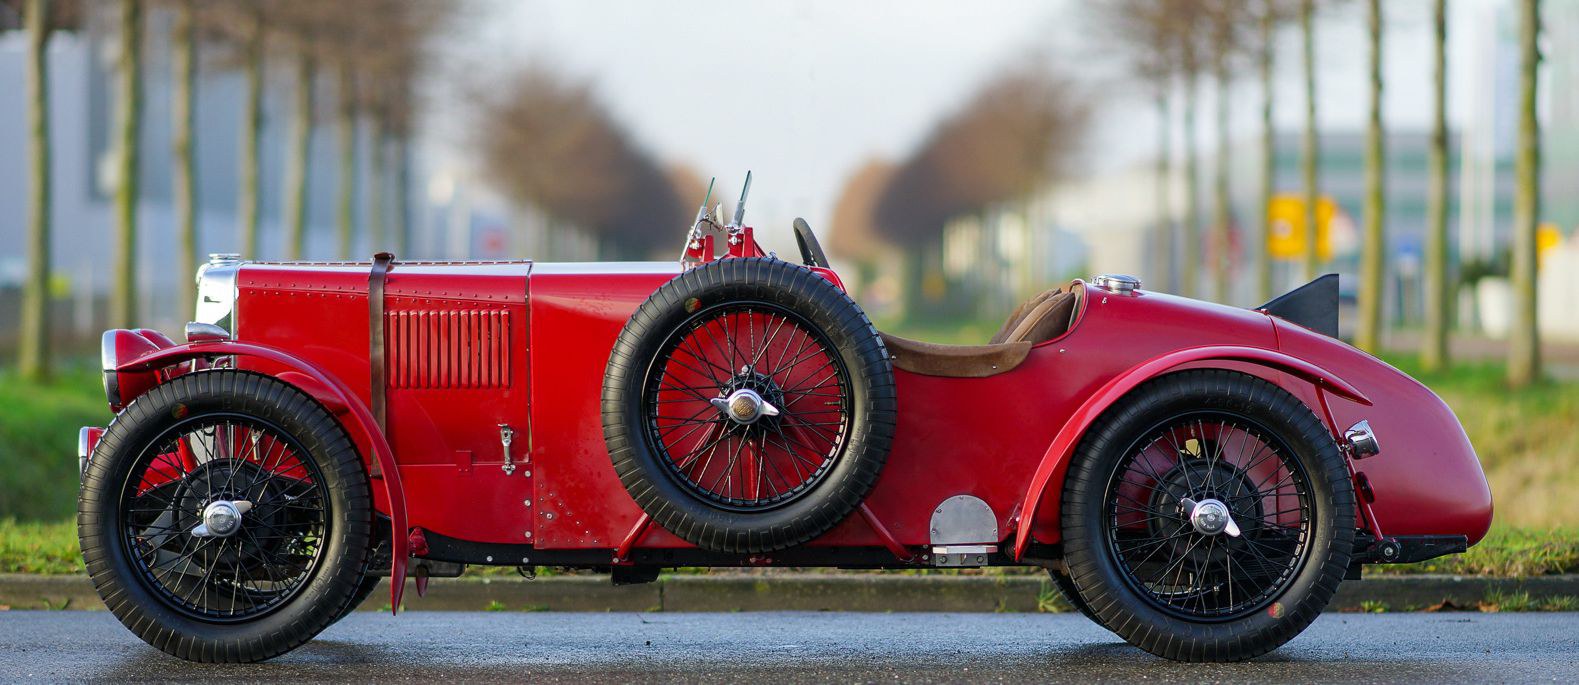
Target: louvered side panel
448, 349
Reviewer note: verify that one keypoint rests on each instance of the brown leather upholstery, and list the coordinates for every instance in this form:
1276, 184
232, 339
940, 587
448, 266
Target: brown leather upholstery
1040, 319
1018, 315
955, 361
1045, 321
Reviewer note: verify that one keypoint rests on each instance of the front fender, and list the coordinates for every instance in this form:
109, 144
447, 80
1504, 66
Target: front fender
333, 395
1049, 477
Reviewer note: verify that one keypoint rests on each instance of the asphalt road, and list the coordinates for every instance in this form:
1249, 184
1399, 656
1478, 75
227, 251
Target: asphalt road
802, 647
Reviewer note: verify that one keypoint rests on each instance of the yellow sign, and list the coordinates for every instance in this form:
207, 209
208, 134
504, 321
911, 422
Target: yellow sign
1547, 238
1286, 233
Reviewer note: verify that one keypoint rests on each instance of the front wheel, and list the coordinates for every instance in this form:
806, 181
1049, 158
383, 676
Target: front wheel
1208, 516
225, 517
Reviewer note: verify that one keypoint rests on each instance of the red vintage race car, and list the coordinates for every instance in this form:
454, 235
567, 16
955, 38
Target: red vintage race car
1195, 477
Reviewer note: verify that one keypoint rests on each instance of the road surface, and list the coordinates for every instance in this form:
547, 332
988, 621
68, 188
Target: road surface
804, 647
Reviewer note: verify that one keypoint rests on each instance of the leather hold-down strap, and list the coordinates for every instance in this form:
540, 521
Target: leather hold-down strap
375, 335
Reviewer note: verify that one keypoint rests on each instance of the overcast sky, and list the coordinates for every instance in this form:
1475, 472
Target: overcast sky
803, 92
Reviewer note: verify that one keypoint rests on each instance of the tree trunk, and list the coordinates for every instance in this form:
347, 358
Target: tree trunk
1373, 284
345, 122
1268, 157
378, 164
1312, 152
299, 167
402, 193
1222, 211
1434, 354
1524, 347
35, 353
251, 135
183, 57
1190, 267
1164, 251
128, 124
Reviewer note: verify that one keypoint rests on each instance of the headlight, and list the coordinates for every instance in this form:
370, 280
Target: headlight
108, 360
216, 291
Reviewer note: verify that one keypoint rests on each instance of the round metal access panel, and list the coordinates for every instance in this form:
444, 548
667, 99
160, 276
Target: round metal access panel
748, 405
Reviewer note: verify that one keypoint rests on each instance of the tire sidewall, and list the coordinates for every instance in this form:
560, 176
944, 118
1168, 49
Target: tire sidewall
118, 577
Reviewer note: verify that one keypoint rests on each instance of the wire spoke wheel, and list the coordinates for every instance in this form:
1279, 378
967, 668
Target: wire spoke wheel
1201, 571
277, 517
748, 405
1208, 516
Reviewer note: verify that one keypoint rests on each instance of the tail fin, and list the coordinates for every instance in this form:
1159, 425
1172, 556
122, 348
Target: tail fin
1313, 305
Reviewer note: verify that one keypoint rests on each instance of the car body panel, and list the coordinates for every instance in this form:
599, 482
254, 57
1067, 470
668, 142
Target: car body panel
471, 346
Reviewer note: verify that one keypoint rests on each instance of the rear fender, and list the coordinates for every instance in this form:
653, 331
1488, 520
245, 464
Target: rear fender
335, 397
1048, 481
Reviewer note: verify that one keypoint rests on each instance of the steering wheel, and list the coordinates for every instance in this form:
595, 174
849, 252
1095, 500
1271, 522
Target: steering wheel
811, 253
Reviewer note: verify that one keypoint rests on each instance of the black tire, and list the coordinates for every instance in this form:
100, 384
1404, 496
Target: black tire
363, 591
1295, 539
302, 545
1066, 589
859, 410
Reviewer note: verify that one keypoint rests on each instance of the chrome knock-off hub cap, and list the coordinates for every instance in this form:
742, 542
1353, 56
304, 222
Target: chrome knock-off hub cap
744, 406
221, 518
1210, 517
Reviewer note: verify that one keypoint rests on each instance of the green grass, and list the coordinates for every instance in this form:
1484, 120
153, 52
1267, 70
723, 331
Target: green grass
44, 548
38, 440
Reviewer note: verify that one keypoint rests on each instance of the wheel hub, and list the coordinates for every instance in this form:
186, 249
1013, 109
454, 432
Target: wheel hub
748, 397
1210, 517
221, 518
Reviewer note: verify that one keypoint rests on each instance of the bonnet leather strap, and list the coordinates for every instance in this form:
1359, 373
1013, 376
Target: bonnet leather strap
375, 334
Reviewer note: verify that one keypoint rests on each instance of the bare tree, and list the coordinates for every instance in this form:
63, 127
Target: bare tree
301, 28
1311, 158
1524, 348
1226, 27
1272, 14
1434, 354
853, 231
183, 53
35, 353
548, 143
1373, 285
1015, 134
249, 206
1152, 35
345, 133
128, 108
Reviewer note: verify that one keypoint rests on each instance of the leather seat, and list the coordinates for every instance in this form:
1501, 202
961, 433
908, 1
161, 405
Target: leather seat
1041, 318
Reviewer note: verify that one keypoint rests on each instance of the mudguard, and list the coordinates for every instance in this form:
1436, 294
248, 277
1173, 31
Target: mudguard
1055, 463
335, 397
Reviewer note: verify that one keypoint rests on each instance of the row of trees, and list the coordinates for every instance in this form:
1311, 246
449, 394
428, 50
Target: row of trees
1173, 44
1018, 132
548, 143
1014, 135
373, 48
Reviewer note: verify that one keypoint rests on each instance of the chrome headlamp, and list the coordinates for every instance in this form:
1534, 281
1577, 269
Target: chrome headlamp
216, 291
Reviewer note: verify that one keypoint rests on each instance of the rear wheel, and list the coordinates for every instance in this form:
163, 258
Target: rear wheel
225, 517
1071, 594
1208, 517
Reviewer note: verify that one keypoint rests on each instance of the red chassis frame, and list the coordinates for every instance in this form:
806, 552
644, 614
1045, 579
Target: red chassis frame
439, 466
